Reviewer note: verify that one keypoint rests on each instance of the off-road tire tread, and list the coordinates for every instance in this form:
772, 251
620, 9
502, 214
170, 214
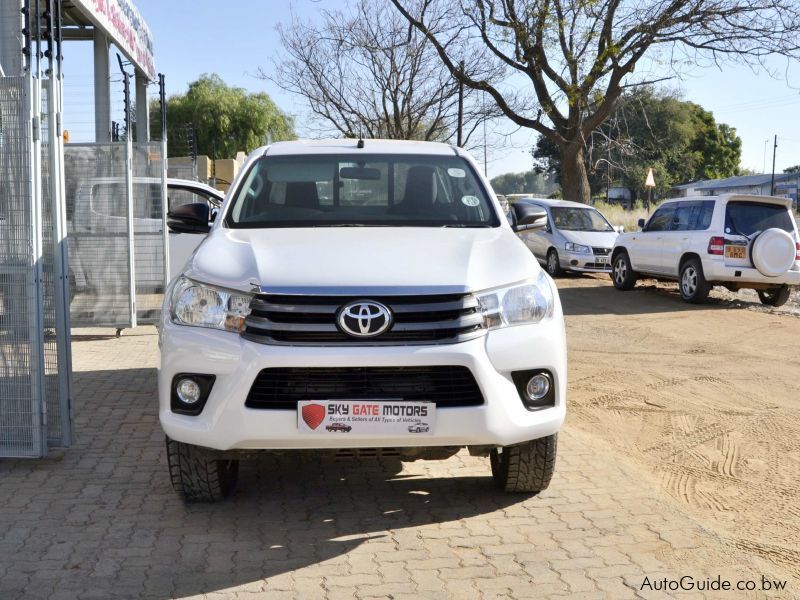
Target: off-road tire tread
198, 474
527, 467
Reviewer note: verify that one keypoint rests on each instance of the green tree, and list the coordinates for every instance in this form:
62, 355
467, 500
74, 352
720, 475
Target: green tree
558, 67
679, 140
794, 169
528, 182
227, 119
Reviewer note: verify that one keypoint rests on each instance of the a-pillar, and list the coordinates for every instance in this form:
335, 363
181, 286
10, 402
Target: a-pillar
142, 109
102, 88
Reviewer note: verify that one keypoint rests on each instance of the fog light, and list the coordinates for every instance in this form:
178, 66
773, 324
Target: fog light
188, 391
538, 387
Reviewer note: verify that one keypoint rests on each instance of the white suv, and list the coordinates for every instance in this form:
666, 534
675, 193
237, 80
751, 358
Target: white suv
735, 241
361, 294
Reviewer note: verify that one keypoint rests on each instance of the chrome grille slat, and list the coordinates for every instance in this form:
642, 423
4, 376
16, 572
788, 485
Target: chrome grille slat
309, 320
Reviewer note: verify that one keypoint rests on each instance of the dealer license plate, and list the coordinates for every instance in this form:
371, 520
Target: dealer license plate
735, 252
370, 417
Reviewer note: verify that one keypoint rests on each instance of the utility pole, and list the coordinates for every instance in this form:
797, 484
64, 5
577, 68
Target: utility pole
772, 182
460, 109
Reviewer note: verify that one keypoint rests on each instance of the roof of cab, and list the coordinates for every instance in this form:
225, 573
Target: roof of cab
348, 146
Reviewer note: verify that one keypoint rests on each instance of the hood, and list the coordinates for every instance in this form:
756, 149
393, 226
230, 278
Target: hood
358, 259
603, 239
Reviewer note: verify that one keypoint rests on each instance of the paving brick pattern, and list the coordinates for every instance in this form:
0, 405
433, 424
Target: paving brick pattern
100, 520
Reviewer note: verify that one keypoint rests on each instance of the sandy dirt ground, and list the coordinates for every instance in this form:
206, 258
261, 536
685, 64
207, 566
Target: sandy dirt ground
704, 399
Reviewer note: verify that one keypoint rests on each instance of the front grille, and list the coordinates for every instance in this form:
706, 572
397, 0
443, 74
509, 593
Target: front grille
432, 319
282, 388
605, 265
601, 251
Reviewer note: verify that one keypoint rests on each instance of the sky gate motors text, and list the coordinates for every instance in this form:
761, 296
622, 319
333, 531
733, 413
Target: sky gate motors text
374, 410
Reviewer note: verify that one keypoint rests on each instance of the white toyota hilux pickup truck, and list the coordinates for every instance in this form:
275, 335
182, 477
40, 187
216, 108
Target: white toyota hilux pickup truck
360, 294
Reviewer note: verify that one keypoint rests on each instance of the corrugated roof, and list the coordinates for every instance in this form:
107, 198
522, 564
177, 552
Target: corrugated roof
739, 181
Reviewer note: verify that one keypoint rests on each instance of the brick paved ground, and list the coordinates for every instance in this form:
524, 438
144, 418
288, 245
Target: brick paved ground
100, 520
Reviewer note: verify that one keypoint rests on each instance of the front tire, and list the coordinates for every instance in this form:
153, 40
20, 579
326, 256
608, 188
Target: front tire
199, 474
526, 467
553, 264
775, 297
622, 274
693, 285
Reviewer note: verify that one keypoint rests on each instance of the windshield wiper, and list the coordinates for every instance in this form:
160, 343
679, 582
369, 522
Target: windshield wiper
465, 225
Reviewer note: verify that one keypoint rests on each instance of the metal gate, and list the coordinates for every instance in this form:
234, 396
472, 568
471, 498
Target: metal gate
21, 356
115, 201
35, 361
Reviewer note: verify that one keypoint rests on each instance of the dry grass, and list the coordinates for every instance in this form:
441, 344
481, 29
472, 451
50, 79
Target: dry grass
618, 215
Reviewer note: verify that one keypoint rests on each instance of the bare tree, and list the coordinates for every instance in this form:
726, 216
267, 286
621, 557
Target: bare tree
566, 62
366, 71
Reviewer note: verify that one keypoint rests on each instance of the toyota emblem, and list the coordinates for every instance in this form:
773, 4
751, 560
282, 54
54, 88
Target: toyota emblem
364, 318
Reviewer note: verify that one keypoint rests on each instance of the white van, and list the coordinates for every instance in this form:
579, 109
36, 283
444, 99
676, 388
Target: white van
361, 294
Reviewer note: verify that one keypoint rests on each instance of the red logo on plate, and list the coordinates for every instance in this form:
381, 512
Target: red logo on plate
313, 415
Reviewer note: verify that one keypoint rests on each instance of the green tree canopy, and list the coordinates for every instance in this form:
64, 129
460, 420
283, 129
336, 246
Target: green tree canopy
528, 182
794, 169
679, 140
227, 119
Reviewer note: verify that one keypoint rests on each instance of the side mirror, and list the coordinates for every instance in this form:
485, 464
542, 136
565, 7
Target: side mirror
620, 228
641, 223
189, 218
528, 218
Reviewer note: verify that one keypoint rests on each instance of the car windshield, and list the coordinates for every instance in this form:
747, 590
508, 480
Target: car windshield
746, 218
579, 219
363, 190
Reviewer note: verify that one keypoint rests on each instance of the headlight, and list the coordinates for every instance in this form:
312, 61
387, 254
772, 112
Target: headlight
199, 305
517, 305
578, 248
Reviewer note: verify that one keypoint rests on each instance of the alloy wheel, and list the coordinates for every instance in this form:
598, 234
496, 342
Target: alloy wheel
620, 270
689, 281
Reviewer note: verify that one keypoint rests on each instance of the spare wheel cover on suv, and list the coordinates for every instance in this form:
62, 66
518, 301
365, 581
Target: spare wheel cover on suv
773, 252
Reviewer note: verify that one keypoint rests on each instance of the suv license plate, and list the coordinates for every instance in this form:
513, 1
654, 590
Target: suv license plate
735, 252
601, 259
365, 417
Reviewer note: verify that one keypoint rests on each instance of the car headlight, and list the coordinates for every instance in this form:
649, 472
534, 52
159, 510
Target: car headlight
198, 305
577, 248
517, 305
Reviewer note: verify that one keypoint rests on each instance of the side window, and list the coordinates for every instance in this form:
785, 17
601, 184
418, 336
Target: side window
704, 213
661, 219
685, 214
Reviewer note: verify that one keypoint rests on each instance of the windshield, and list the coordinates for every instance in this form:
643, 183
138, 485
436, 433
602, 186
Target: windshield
363, 190
579, 219
746, 218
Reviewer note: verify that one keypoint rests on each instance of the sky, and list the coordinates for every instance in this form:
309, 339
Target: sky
191, 38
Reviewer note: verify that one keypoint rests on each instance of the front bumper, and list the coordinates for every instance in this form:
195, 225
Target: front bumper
225, 423
585, 263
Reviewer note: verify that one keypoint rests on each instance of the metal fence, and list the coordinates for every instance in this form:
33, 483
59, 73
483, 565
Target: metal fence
21, 357
148, 235
116, 233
